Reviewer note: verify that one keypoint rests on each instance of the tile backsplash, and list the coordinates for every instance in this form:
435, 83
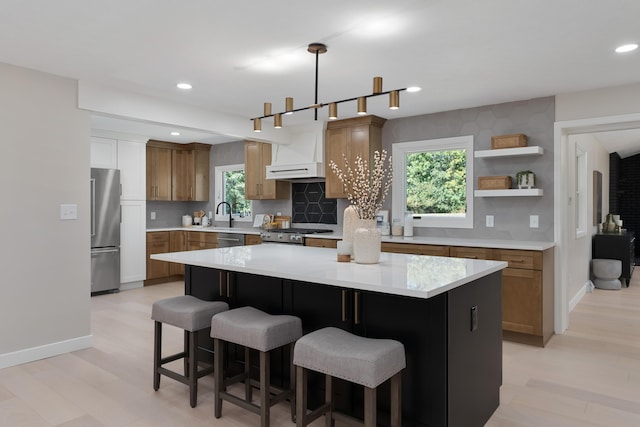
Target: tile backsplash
309, 205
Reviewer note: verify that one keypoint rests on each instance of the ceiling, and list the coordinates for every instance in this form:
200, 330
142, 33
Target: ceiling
240, 54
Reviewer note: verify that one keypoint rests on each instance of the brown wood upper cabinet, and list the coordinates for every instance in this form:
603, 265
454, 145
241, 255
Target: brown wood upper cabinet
190, 173
177, 171
350, 137
257, 156
158, 172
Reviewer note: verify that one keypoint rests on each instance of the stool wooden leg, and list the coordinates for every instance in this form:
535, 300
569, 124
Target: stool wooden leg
248, 390
265, 380
328, 398
396, 400
193, 368
292, 383
370, 407
218, 348
157, 354
301, 397
186, 351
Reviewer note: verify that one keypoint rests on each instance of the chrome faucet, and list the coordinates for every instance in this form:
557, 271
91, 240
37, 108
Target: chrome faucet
218, 208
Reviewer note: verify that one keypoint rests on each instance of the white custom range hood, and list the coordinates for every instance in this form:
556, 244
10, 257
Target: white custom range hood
296, 171
301, 159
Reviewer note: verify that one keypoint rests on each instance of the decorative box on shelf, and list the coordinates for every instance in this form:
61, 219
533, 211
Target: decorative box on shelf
494, 182
509, 141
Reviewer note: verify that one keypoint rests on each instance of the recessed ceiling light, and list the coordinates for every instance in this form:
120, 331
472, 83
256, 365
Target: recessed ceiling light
184, 86
414, 89
175, 133
626, 48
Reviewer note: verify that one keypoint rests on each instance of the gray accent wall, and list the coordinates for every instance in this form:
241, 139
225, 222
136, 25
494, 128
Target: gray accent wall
534, 118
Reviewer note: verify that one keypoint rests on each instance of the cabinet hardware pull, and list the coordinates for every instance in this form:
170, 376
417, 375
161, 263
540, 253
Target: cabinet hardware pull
228, 285
356, 302
220, 281
520, 261
344, 305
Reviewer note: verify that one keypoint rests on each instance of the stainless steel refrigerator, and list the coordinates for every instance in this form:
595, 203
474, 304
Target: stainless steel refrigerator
105, 230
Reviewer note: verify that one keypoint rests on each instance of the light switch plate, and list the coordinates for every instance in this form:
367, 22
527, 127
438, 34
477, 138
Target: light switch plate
533, 221
489, 220
153, 216
68, 212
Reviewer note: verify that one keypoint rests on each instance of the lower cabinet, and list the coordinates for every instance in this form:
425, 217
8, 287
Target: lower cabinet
157, 243
410, 248
177, 243
197, 240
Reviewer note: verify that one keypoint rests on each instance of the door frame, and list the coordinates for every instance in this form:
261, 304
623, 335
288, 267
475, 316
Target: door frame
562, 130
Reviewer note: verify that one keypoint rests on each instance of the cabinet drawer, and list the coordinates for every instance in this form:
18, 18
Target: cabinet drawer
196, 246
158, 236
409, 248
321, 243
530, 260
202, 237
473, 253
252, 239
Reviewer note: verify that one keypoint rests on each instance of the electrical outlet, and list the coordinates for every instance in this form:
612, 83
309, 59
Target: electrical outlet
68, 212
153, 216
533, 221
489, 220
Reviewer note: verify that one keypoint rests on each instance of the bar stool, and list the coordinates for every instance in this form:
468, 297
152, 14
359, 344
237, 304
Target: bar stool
365, 361
192, 315
253, 329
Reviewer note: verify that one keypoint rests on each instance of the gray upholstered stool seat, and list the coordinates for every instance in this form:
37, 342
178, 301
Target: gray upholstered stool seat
253, 329
365, 361
607, 273
192, 315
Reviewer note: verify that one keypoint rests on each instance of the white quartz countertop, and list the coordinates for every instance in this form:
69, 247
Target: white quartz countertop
418, 276
523, 245
210, 229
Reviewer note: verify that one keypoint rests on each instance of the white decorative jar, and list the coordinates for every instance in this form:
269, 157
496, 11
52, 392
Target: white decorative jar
366, 242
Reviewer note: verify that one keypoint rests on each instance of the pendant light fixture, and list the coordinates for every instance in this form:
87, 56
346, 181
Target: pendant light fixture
317, 49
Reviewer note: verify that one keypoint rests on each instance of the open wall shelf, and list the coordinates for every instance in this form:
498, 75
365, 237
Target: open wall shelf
510, 152
508, 193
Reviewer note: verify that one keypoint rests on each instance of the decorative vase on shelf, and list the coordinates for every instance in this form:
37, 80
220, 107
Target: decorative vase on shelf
366, 242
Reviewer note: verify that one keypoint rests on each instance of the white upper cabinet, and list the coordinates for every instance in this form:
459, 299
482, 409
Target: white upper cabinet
132, 165
104, 153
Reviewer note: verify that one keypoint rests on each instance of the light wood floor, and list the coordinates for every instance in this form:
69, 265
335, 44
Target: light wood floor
589, 376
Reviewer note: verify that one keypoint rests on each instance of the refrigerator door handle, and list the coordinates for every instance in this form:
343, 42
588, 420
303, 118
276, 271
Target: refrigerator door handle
104, 251
93, 207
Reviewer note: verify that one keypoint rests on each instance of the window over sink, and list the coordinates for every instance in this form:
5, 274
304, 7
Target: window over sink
433, 179
229, 187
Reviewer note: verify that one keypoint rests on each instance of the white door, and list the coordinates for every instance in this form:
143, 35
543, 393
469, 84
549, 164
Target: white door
132, 165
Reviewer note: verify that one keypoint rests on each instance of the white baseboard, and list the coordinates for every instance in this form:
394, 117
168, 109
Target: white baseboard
578, 296
42, 352
131, 285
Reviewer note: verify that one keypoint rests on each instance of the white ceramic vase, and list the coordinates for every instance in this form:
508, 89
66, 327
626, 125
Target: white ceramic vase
366, 242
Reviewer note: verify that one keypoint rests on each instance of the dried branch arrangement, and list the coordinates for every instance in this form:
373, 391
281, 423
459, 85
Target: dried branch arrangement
366, 187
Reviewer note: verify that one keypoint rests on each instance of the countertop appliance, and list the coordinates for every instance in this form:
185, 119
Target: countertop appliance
289, 235
105, 230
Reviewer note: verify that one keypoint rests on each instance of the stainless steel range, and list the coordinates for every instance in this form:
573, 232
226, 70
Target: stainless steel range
289, 235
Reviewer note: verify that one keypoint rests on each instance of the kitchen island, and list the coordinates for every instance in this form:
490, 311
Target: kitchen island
446, 311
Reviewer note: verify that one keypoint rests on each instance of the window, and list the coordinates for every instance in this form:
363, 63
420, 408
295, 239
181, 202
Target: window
229, 182
581, 192
433, 179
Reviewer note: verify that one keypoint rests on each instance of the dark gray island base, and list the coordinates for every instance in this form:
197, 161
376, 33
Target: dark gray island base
453, 340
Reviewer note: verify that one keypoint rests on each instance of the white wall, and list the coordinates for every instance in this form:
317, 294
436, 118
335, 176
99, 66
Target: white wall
612, 101
44, 162
579, 248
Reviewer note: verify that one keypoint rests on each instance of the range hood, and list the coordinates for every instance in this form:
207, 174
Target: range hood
302, 159
296, 171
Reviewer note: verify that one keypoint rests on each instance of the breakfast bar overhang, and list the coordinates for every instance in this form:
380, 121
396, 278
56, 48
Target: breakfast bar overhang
446, 311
